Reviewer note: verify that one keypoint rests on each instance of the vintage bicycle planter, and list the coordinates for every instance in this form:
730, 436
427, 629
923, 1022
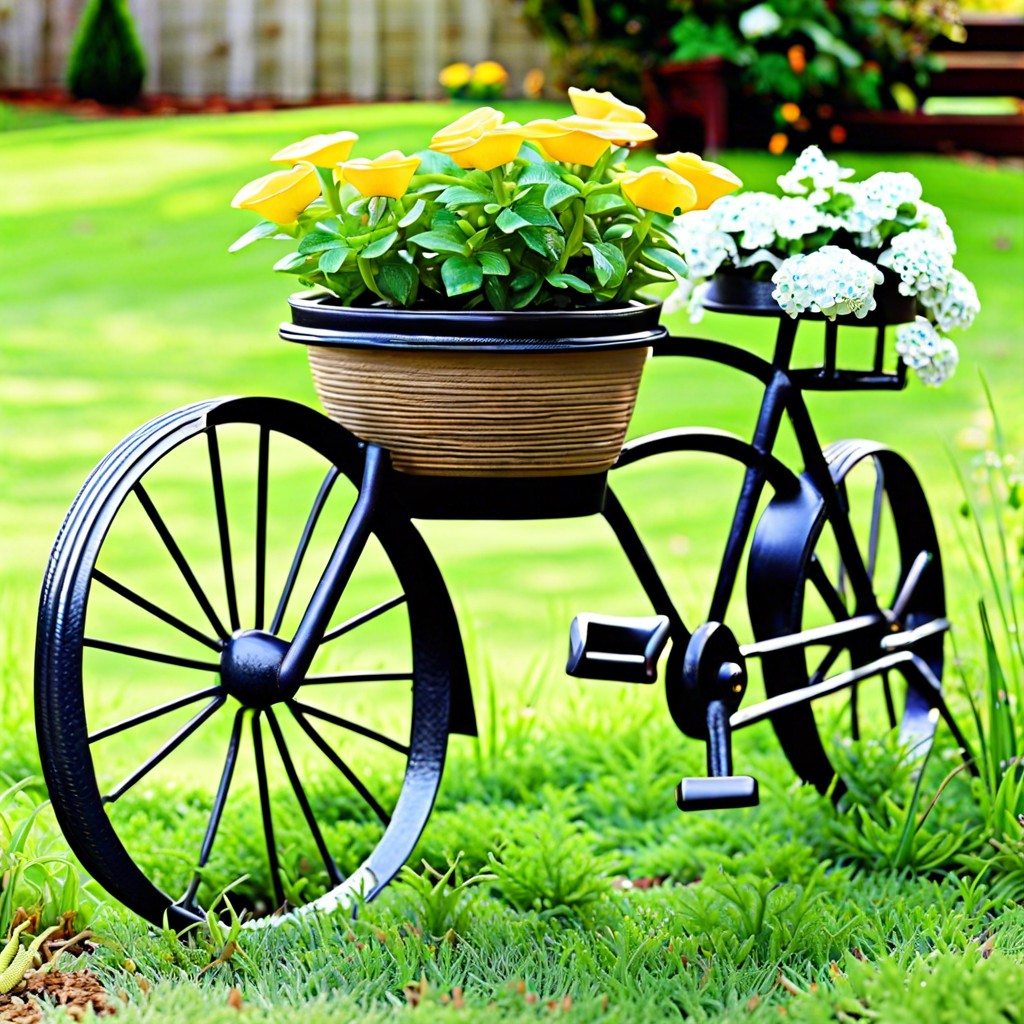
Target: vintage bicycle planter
318, 593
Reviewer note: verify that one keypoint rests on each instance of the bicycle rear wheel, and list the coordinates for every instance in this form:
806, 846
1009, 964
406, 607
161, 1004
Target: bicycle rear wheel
798, 581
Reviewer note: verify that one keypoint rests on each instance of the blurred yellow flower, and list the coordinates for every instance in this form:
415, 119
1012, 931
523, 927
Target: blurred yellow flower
602, 105
281, 195
711, 180
320, 150
489, 72
455, 76
386, 175
659, 189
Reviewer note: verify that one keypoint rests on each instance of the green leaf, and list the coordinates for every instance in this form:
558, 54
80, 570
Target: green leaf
542, 241
378, 207
413, 215
539, 174
442, 240
524, 279
666, 258
605, 202
557, 193
609, 263
265, 229
509, 221
459, 195
493, 262
432, 162
525, 297
320, 241
331, 261
496, 292
623, 229
536, 214
397, 279
568, 281
292, 263
381, 246
461, 275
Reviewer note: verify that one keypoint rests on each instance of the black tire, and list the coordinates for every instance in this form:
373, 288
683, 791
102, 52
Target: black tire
797, 581
121, 574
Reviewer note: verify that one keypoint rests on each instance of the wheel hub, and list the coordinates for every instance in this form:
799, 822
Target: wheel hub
250, 668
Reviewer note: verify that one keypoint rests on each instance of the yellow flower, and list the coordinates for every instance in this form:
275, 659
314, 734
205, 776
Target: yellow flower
320, 150
560, 142
711, 180
281, 195
455, 76
602, 105
489, 72
582, 140
471, 125
387, 175
479, 139
660, 190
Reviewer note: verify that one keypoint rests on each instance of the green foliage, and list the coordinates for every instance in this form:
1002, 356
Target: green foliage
106, 62
532, 233
436, 902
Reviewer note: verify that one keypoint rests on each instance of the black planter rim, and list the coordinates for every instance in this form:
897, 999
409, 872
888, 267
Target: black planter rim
739, 294
321, 319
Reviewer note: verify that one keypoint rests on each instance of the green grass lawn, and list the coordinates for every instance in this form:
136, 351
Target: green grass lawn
119, 302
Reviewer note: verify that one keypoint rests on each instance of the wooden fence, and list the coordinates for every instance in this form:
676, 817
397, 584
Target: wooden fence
291, 50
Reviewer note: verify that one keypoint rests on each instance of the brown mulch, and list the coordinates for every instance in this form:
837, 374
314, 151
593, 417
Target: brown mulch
76, 991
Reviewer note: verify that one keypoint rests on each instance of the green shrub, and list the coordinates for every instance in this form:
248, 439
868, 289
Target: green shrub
106, 63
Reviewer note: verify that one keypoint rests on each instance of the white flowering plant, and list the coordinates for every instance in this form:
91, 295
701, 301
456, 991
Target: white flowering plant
826, 243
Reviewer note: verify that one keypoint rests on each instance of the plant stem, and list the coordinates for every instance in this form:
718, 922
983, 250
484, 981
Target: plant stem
329, 188
498, 182
366, 273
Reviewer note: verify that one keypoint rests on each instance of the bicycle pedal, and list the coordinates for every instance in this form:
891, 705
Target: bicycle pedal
710, 794
624, 649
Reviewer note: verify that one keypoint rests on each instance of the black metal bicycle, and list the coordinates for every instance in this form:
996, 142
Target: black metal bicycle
336, 661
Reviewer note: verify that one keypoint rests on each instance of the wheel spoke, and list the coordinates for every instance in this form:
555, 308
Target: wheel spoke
338, 763
300, 553
179, 560
169, 747
364, 617
261, 523
148, 716
824, 665
890, 706
268, 820
222, 526
149, 606
300, 794
903, 598
854, 717
833, 601
357, 677
158, 656
876, 519
344, 723
217, 812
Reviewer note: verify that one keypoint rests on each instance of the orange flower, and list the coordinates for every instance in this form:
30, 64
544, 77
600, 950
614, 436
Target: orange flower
837, 133
790, 112
797, 58
711, 180
777, 143
533, 84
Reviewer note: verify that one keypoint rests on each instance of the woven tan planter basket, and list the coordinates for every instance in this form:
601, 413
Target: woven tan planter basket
477, 413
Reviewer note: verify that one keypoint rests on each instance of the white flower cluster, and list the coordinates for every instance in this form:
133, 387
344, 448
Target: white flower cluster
831, 281
932, 357
704, 246
922, 265
813, 175
956, 305
878, 199
751, 215
932, 219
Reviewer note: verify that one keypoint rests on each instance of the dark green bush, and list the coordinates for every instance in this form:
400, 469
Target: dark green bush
106, 62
